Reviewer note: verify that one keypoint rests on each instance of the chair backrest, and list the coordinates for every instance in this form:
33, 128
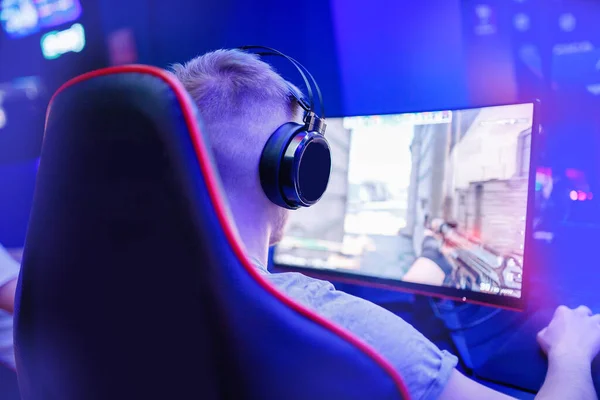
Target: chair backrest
134, 283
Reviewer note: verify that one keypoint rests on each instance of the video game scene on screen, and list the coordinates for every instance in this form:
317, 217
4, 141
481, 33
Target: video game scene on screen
409, 191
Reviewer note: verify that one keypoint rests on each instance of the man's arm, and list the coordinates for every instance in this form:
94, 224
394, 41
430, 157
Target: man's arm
571, 341
562, 382
568, 379
7, 295
9, 271
459, 387
425, 271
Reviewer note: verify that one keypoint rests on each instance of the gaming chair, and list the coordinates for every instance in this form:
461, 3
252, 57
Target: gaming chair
134, 284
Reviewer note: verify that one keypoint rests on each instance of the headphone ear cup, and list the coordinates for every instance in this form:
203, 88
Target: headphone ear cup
271, 161
295, 166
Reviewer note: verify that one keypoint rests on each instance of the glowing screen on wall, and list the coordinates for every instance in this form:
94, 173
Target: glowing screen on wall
21, 18
56, 43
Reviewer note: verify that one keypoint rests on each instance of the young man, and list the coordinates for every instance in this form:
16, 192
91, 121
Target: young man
242, 101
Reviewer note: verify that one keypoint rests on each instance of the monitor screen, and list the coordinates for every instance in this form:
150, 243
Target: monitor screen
430, 202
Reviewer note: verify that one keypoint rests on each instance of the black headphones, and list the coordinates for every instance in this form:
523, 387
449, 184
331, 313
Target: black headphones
296, 161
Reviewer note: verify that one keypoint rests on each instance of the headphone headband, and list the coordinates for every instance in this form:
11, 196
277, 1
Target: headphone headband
314, 81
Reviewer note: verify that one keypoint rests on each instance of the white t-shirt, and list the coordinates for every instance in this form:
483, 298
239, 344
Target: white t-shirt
9, 270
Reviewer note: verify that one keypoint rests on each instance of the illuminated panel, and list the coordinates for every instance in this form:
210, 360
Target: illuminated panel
56, 12
56, 43
27, 87
576, 47
21, 18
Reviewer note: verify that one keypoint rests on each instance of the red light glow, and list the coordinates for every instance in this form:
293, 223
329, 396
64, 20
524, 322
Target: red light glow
582, 196
575, 174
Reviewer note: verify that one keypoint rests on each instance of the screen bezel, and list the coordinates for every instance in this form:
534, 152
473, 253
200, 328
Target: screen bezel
460, 295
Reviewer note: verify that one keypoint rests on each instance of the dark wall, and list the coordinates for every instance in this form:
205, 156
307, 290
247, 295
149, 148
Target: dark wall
400, 56
178, 30
386, 57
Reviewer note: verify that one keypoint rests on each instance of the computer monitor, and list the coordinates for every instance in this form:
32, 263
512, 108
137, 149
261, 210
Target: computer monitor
429, 202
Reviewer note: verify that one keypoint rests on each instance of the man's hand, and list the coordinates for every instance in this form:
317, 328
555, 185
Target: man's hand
572, 335
571, 341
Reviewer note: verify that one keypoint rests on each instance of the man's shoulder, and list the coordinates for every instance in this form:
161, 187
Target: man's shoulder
296, 280
339, 306
424, 367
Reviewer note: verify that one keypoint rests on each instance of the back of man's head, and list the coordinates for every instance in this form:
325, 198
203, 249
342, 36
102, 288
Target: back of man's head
241, 101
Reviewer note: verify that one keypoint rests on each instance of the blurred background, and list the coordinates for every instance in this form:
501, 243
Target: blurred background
369, 58
385, 58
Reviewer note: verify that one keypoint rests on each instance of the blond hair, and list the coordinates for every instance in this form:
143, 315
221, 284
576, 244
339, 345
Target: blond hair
241, 101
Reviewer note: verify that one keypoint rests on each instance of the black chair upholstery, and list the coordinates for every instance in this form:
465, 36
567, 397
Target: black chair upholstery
134, 283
